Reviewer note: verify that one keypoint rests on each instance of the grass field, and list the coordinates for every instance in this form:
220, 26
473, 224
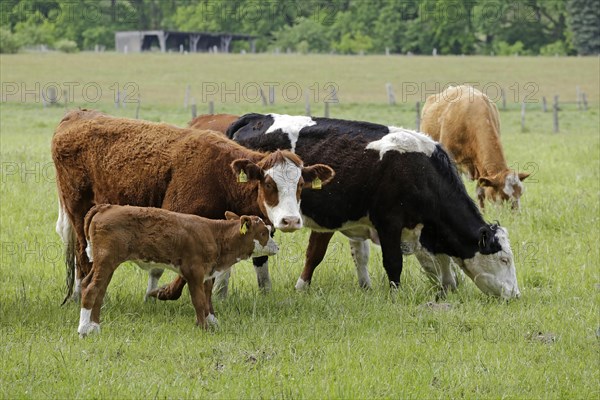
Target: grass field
335, 340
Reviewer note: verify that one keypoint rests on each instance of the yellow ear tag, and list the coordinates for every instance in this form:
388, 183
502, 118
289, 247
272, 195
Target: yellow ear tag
316, 183
242, 177
243, 229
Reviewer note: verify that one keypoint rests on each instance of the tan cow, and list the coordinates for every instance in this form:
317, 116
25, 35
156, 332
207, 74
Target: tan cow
196, 248
103, 159
466, 122
213, 122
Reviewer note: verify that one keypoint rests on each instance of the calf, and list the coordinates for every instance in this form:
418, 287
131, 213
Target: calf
196, 248
466, 122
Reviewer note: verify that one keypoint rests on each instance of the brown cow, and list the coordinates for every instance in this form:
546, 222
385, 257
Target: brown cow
102, 159
213, 122
196, 248
466, 122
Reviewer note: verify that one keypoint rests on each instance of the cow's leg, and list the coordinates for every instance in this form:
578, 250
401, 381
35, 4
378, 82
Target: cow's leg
221, 286
315, 252
261, 267
391, 250
360, 254
172, 291
199, 297
153, 278
448, 276
83, 264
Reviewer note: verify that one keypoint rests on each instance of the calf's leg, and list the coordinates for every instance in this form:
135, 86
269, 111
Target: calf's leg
196, 282
153, 278
93, 296
315, 252
172, 291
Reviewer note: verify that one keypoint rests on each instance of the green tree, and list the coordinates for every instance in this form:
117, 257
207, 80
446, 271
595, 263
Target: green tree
584, 21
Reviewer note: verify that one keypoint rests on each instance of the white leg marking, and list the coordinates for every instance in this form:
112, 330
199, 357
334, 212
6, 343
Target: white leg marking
89, 251
77, 289
360, 254
212, 320
153, 277
86, 326
301, 284
263, 277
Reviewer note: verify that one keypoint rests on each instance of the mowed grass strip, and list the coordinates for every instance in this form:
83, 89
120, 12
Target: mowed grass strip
335, 340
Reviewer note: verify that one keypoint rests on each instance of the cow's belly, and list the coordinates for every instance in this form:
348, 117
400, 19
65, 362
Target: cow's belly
362, 229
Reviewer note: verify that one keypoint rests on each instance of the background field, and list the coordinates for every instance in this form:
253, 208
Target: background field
335, 340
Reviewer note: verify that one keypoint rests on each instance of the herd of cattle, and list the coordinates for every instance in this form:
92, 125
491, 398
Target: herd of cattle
155, 194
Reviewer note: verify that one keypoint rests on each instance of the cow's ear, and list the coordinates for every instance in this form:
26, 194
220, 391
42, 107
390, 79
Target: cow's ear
229, 215
246, 170
486, 181
318, 173
523, 176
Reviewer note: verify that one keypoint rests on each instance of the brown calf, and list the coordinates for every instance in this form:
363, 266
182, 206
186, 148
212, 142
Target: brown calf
466, 122
196, 248
213, 122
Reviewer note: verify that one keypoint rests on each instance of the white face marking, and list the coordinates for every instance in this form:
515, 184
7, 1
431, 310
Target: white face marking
270, 249
512, 180
495, 274
290, 125
286, 176
403, 141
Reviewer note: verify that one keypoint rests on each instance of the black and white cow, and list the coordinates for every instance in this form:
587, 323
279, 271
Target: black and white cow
394, 186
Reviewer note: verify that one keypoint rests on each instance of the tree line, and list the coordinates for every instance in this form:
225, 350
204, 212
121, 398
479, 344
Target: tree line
526, 27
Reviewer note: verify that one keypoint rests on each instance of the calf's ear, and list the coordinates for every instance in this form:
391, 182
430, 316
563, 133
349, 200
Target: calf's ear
487, 181
320, 172
245, 224
245, 169
231, 215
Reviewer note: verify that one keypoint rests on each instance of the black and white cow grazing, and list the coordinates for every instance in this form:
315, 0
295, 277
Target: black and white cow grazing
394, 186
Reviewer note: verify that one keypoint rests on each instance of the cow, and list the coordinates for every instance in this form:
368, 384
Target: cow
466, 122
194, 247
394, 186
103, 159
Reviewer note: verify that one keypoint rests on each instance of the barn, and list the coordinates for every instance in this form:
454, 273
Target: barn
165, 41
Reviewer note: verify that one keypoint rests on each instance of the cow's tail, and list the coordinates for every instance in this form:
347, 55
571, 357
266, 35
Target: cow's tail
65, 230
241, 122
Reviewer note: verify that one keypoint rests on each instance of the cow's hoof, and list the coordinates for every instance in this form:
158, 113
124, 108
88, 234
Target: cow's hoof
211, 320
301, 284
88, 329
365, 284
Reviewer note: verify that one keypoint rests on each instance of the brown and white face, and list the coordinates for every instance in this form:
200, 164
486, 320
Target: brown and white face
492, 268
505, 186
281, 178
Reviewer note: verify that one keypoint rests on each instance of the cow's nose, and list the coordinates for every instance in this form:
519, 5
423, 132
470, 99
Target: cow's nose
290, 224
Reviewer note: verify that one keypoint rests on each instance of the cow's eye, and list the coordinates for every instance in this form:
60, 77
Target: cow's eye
269, 186
505, 260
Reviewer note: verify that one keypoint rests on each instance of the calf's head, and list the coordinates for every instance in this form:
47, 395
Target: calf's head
492, 268
256, 235
504, 186
281, 178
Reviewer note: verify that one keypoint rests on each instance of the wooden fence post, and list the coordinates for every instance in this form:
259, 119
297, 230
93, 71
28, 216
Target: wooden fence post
390, 94
118, 99
137, 108
307, 103
211, 107
326, 109
544, 104
66, 97
503, 95
418, 120
578, 94
194, 111
271, 95
584, 99
555, 114
262, 96
186, 99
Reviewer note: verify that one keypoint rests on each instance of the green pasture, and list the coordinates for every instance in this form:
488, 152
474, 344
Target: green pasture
334, 340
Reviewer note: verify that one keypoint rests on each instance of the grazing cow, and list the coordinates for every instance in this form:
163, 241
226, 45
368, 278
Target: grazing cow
466, 122
394, 186
196, 248
102, 159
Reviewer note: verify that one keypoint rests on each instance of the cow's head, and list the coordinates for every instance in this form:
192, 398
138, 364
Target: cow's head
492, 268
256, 233
281, 178
504, 186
